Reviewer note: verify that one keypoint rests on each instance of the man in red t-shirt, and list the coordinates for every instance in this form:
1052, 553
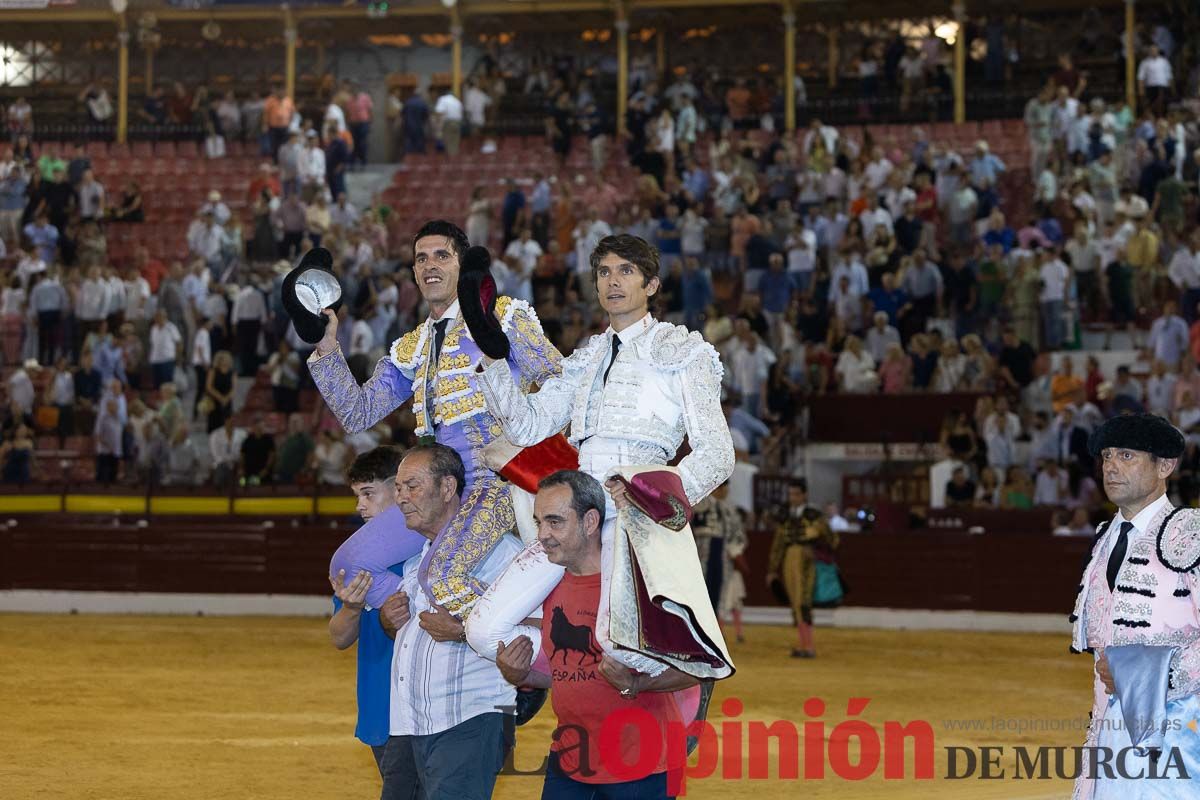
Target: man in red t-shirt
611, 742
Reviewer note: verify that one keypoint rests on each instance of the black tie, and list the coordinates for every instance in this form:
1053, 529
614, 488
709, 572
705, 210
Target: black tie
439, 335
616, 347
1118, 555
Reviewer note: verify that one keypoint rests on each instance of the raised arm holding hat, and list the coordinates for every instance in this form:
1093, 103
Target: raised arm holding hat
1138, 612
433, 365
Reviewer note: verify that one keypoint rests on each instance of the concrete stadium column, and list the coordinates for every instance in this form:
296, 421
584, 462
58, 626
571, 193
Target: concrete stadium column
789, 68
456, 34
960, 64
622, 26
289, 71
833, 57
123, 81
1130, 58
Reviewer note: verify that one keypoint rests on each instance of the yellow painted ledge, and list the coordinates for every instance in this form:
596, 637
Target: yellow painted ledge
167, 505
30, 503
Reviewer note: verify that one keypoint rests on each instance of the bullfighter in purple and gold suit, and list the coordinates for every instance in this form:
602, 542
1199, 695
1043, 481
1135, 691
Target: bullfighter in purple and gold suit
449, 407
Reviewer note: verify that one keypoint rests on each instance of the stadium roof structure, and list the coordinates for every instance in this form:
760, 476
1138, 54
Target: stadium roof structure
356, 18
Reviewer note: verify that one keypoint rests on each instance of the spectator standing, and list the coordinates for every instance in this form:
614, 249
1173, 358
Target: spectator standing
331, 457
448, 119
1169, 337
225, 448
218, 391
1056, 280
44, 237
337, 158
1155, 78
109, 433
284, 367
166, 345
361, 110
258, 455
249, 315
48, 301
90, 197
416, 116
278, 111
294, 452
475, 104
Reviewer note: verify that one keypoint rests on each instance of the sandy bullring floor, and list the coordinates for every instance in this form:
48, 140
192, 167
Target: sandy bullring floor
163, 708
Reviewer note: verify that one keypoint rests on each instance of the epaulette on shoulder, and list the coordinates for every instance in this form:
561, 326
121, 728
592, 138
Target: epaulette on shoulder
1178, 541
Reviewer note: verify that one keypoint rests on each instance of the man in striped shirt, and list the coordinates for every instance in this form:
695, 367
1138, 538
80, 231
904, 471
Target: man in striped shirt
449, 736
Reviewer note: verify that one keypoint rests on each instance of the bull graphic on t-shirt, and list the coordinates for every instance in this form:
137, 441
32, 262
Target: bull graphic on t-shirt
567, 637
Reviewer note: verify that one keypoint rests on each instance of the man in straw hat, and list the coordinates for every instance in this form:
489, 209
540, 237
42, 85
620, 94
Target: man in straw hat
1138, 613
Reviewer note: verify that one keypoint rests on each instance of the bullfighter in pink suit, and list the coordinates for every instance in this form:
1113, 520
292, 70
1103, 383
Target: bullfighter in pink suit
1138, 612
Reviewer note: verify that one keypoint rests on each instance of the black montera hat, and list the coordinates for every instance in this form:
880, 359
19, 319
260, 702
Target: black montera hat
309, 289
1148, 433
477, 299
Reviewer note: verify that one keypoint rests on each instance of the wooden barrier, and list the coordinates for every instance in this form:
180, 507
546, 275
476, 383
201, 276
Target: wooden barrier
1002, 571
883, 418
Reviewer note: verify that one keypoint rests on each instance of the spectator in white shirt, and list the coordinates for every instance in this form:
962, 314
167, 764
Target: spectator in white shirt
749, 364
521, 259
362, 337
311, 167
855, 368
1050, 488
475, 105
1187, 417
880, 336
91, 197
92, 302
195, 286
1184, 272
1160, 389
166, 343
335, 116
876, 173
249, 314
219, 210
588, 234
20, 386
225, 447
875, 215
1001, 444
205, 237
1154, 78
202, 354
845, 304
691, 234
331, 457
448, 113
1056, 277
1168, 340
343, 214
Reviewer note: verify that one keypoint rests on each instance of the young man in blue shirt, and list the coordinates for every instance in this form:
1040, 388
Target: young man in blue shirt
372, 478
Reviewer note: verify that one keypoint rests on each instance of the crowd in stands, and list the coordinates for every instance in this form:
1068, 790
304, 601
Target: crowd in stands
861, 260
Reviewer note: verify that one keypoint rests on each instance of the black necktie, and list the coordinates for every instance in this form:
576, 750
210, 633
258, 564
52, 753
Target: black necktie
1118, 555
616, 347
439, 335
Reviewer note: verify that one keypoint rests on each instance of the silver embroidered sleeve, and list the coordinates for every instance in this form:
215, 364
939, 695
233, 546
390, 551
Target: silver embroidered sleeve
536, 358
526, 418
359, 407
711, 461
